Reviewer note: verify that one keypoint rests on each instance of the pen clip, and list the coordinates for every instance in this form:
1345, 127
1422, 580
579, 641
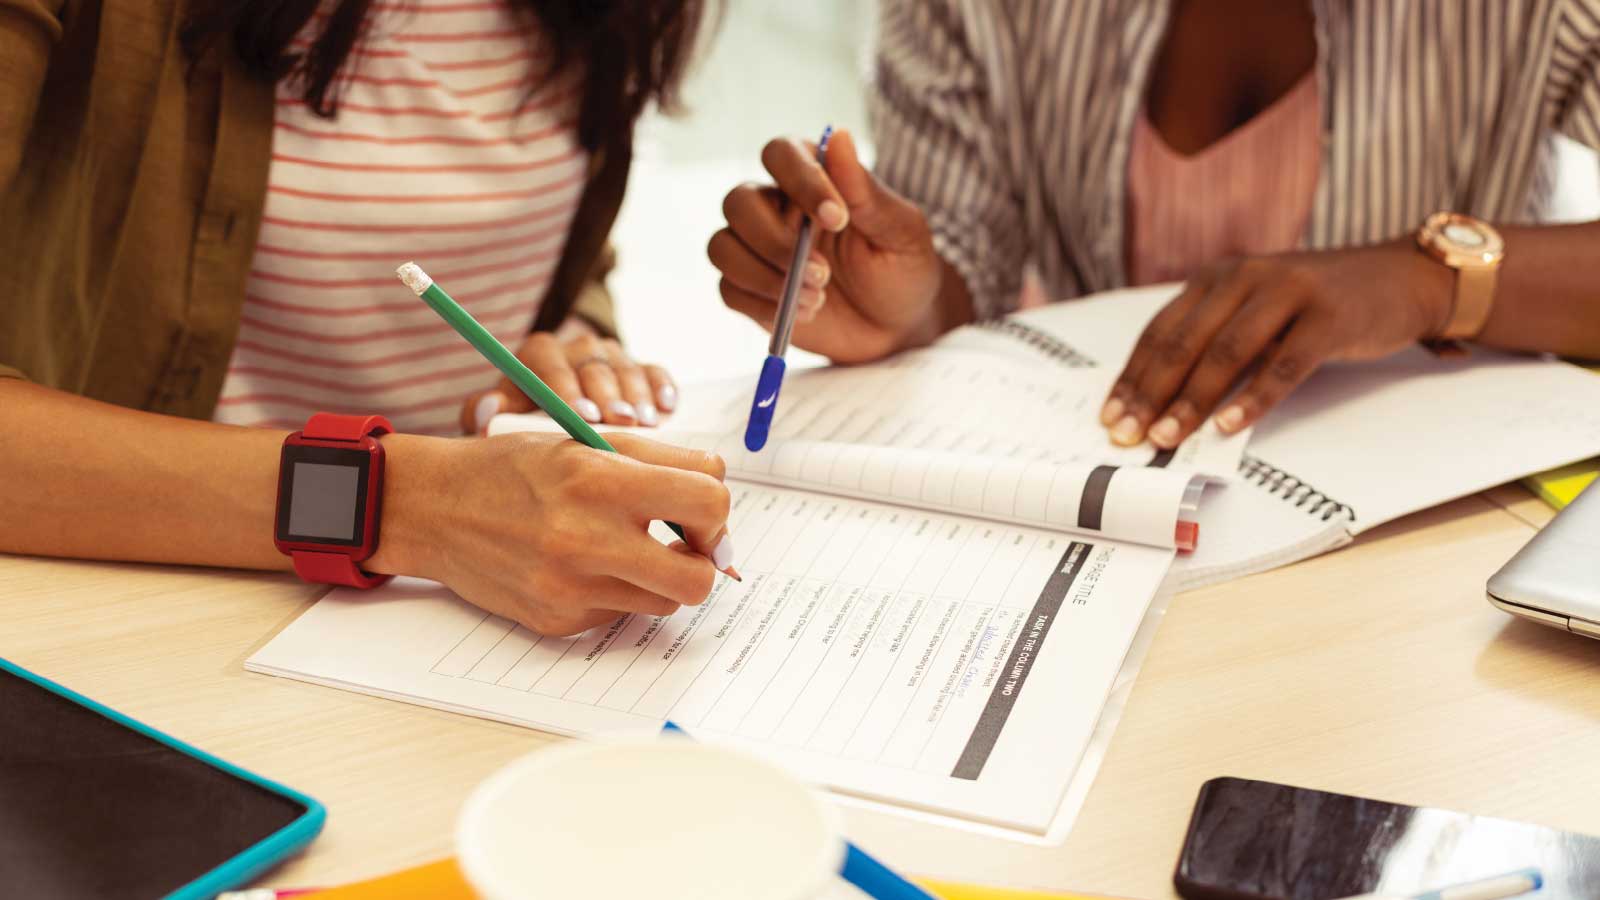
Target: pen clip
765, 403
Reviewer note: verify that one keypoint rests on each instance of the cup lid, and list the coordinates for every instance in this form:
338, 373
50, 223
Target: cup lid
667, 819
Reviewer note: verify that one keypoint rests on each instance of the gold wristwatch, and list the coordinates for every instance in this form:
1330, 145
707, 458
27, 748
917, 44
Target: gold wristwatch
1475, 250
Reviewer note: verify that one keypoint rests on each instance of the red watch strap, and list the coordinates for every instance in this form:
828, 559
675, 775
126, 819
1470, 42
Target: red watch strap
333, 568
339, 568
334, 427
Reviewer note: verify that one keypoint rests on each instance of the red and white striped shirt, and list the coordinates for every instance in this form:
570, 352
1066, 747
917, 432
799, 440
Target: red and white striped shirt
439, 153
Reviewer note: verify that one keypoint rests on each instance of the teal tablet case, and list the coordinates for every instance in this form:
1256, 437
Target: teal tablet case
241, 869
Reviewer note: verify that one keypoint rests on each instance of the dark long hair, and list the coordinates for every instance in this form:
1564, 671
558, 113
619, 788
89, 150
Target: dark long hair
633, 51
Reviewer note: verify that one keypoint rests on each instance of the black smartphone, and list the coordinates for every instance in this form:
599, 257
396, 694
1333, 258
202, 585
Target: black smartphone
1255, 840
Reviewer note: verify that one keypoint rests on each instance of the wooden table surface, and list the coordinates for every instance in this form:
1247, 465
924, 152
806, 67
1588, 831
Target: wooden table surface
1378, 670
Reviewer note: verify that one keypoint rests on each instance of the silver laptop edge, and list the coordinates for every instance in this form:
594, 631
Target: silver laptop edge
1555, 579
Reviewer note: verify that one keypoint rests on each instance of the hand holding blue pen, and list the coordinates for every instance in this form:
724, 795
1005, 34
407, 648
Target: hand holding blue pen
771, 380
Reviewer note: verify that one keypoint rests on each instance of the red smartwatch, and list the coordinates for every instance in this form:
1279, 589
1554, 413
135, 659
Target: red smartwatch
330, 495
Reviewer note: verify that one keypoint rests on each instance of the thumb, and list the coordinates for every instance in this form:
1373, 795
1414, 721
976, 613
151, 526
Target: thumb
879, 214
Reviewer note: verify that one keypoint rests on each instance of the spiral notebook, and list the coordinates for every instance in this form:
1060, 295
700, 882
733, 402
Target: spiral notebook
1359, 444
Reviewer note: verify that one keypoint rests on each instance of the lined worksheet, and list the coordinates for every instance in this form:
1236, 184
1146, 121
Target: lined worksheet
953, 430
949, 663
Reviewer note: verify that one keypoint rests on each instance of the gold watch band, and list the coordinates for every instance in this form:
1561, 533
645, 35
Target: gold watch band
1473, 301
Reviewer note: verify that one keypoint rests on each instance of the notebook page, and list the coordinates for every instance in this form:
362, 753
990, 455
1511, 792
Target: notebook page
952, 430
1399, 435
1249, 528
945, 663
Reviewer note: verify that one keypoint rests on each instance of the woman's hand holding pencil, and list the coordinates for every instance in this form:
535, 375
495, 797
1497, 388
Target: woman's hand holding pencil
552, 534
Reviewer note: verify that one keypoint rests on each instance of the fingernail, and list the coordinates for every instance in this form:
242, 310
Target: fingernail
1127, 433
832, 216
647, 414
1231, 419
809, 298
816, 275
622, 409
587, 409
1111, 412
722, 556
1164, 434
667, 397
488, 405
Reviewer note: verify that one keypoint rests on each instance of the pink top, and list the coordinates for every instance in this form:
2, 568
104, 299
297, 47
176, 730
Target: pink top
1249, 193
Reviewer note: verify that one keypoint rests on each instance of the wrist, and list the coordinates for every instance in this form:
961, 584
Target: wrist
414, 468
950, 308
1431, 287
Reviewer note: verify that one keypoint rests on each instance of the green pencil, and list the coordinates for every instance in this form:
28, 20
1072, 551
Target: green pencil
507, 362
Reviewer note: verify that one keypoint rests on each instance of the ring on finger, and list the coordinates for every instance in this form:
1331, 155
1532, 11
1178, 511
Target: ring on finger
590, 360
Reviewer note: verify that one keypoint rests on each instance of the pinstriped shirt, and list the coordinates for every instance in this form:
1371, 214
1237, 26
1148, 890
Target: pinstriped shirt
1009, 123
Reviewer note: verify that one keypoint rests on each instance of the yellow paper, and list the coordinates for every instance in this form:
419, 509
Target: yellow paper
949, 891
1558, 487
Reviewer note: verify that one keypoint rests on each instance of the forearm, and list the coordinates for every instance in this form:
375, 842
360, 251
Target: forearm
91, 480
1547, 298
88, 479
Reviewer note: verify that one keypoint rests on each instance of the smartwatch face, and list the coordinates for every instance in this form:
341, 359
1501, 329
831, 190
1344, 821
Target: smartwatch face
323, 492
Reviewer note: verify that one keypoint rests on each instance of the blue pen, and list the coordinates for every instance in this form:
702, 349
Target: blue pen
771, 380
871, 877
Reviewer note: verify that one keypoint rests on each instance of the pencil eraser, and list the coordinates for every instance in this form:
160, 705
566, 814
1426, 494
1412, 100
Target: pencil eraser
765, 403
1187, 536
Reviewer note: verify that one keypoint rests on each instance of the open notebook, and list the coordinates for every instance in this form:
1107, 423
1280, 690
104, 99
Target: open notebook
1359, 444
945, 564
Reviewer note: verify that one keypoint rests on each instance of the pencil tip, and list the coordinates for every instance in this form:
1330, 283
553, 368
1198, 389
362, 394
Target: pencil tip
733, 573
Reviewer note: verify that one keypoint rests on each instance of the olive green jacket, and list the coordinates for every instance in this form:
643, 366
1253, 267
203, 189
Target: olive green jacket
131, 189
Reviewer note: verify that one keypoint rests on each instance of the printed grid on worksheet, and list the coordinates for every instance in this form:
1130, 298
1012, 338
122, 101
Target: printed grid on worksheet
861, 631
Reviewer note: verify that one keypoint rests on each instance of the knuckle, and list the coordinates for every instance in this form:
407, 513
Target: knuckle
712, 464
1169, 349
1219, 270
1288, 368
719, 248
732, 202
561, 625
1185, 410
773, 150
721, 500
1254, 267
1227, 350
1299, 279
698, 586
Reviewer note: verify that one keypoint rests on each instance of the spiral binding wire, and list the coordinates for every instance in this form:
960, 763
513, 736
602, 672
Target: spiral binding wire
1287, 487
1040, 340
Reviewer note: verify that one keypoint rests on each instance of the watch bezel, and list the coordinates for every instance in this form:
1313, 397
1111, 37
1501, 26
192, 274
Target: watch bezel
1432, 238
367, 454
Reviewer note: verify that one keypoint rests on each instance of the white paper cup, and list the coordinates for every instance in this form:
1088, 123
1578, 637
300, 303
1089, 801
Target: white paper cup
668, 819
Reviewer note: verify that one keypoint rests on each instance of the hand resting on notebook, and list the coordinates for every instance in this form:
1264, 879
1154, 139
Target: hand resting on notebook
1267, 323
